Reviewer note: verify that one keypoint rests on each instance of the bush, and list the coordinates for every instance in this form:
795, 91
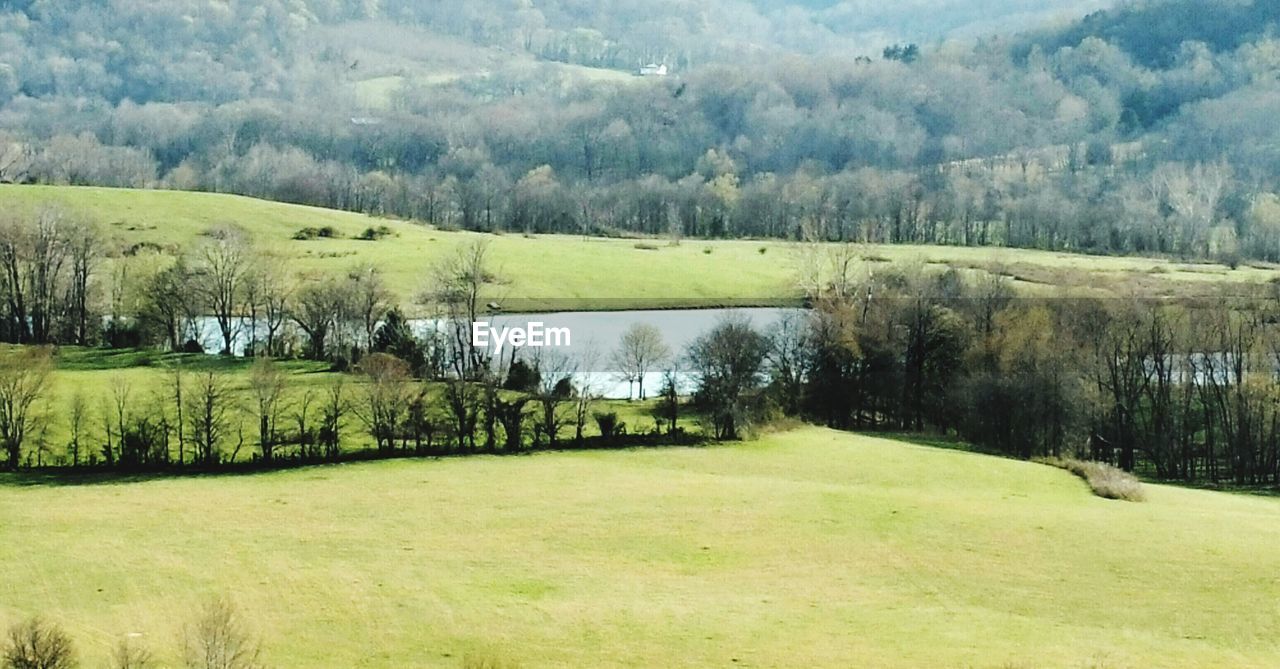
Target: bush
608, 424
374, 234
1106, 481
36, 644
324, 232
646, 247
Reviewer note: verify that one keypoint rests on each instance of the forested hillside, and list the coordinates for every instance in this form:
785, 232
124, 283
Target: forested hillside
1143, 129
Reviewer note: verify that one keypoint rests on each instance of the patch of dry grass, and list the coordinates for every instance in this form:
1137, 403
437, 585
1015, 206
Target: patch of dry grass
1106, 481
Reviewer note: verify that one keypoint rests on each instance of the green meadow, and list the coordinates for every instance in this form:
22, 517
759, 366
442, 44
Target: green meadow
567, 272
804, 548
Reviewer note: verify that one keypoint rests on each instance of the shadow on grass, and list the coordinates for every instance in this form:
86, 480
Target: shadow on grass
100, 476
78, 359
933, 441
956, 444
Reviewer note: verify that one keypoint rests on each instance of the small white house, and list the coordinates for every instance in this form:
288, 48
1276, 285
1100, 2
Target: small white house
653, 70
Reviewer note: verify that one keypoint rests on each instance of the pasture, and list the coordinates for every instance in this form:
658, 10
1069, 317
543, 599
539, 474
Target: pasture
558, 272
805, 548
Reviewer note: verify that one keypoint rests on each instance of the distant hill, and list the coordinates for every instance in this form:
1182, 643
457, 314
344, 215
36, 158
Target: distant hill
1153, 32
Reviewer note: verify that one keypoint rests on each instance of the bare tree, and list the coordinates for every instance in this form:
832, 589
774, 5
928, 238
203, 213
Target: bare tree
224, 264
23, 376
170, 304
84, 247
319, 308
268, 383
456, 285
37, 644
218, 640
266, 300
16, 159
553, 391
387, 396
33, 257
641, 351
209, 424
370, 299
332, 412
129, 654
77, 416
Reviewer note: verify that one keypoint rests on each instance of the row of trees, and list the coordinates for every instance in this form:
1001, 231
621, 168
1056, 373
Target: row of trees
431, 391
1183, 390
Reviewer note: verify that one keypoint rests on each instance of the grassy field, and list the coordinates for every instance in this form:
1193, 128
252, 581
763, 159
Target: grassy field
565, 272
808, 548
147, 377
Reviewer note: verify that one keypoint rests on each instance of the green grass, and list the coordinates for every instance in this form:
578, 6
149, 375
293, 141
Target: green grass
563, 272
95, 374
808, 548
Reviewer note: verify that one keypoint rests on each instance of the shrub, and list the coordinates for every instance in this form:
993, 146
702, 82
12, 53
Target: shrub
706, 251
646, 247
764, 250
36, 644
1106, 481
374, 234
608, 424
323, 232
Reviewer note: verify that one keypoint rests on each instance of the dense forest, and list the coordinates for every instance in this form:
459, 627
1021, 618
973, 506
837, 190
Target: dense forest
1142, 129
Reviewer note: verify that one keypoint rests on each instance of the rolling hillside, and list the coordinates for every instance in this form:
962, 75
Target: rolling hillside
809, 548
552, 272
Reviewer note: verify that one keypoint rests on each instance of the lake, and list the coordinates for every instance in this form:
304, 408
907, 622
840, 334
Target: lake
594, 335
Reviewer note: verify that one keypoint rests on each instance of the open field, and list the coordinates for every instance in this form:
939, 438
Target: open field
563, 272
809, 548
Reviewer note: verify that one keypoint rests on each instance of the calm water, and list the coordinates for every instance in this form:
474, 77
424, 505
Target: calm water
594, 337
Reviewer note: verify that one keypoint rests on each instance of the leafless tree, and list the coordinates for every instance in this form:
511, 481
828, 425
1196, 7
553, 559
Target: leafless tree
170, 303
129, 654
23, 377
553, 393
455, 288
224, 263
268, 383
319, 308
207, 414
387, 395
77, 416
38, 644
218, 640
641, 351
370, 299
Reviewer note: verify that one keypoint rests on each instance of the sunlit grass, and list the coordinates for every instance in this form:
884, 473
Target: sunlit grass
557, 272
809, 548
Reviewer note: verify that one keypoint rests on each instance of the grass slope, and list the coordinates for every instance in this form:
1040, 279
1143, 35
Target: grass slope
554, 272
810, 548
